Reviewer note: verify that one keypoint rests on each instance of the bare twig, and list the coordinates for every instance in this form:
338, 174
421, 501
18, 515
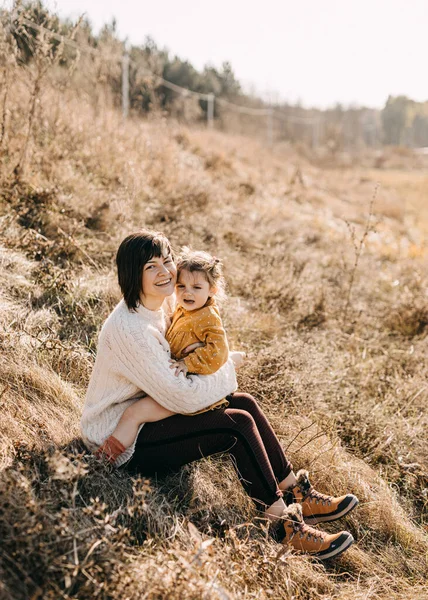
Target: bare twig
358, 248
5, 81
44, 58
298, 433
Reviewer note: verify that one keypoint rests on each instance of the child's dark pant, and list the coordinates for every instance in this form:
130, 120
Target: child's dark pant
242, 430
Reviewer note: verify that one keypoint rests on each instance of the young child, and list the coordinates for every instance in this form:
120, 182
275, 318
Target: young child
197, 341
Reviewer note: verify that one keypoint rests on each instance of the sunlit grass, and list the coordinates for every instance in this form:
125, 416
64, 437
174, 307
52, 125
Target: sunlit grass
347, 396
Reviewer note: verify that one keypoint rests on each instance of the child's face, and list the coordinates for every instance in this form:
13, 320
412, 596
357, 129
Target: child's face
193, 289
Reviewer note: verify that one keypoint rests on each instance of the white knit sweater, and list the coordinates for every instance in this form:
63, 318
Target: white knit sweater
132, 361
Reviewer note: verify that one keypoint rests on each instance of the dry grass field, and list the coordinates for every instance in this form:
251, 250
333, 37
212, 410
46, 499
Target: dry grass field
327, 284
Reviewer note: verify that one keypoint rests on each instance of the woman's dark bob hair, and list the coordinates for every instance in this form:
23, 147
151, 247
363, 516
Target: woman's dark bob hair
133, 253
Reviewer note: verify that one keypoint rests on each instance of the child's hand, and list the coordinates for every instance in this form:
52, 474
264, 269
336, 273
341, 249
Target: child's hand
179, 367
238, 358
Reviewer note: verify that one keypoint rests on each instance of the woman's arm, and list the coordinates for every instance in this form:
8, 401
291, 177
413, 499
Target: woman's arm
143, 360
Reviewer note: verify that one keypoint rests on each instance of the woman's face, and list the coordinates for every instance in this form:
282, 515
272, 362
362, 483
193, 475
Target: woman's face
158, 278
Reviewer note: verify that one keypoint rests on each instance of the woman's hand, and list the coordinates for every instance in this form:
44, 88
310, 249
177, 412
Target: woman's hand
238, 358
179, 367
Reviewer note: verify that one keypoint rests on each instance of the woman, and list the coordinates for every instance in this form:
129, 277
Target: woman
133, 360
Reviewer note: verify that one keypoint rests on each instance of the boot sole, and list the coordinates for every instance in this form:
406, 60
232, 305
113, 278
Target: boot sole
332, 517
336, 551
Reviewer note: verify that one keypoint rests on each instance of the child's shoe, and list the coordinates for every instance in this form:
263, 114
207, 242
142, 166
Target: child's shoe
110, 450
293, 530
317, 507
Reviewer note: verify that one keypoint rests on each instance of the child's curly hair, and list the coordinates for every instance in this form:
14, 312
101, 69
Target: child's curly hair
210, 266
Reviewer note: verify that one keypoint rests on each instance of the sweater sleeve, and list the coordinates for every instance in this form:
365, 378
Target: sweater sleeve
143, 360
207, 360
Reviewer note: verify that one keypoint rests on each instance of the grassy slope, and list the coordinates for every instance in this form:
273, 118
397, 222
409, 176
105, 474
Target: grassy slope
346, 392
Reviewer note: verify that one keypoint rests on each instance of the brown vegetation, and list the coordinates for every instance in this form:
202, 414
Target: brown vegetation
346, 395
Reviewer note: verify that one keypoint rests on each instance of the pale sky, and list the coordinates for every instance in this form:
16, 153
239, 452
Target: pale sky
317, 51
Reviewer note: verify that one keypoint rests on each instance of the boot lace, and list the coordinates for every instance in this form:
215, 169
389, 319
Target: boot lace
308, 532
319, 498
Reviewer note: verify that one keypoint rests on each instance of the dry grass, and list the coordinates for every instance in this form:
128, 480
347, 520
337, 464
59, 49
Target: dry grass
348, 399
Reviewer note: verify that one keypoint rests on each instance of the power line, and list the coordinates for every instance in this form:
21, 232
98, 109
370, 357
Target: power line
244, 109
294, 119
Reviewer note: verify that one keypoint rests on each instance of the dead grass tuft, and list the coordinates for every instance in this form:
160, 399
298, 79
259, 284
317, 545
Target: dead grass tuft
409, 319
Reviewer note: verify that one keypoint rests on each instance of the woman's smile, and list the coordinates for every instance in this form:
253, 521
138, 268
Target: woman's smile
164, 282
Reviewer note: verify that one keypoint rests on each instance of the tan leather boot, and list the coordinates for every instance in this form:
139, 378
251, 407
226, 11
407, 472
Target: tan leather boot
317, 507
293, 530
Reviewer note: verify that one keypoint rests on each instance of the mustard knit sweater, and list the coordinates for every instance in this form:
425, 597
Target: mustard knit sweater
200, 325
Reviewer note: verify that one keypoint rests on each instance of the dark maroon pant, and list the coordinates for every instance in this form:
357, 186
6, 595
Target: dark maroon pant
242, 430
